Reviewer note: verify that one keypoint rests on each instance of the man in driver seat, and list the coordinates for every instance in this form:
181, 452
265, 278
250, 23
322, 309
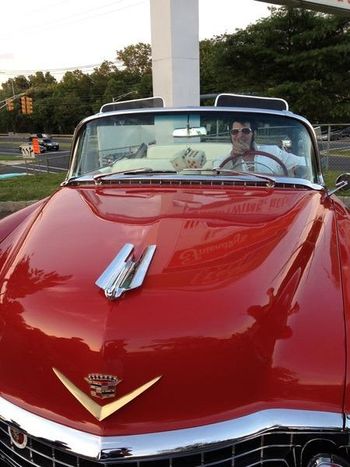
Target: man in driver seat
246, 155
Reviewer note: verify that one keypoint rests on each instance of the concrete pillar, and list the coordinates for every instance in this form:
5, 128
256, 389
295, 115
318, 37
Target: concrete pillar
175, 51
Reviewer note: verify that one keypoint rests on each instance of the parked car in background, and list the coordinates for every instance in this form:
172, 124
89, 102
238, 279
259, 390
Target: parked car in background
181, 300
46, 141
340, 133
28, 147
49, 144
335, 135
345, 132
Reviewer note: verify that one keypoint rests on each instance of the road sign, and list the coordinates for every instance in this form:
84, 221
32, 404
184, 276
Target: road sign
327, 6
27, 152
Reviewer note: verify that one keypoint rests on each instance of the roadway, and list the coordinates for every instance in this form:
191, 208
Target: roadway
49, 162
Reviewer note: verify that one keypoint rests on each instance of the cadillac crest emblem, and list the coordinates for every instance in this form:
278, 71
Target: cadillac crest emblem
102, 386
18, 437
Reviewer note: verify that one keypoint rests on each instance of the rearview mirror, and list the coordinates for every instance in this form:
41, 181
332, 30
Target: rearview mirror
189, 132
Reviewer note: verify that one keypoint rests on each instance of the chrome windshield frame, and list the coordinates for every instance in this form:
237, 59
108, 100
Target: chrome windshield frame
319, 181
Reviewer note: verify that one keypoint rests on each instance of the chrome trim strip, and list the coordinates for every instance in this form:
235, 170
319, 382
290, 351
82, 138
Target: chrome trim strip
210, 180
68, 438
347, 422
142, 267
167, 442
123, 273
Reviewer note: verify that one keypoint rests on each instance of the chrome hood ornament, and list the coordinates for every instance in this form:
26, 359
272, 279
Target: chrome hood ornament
124, 273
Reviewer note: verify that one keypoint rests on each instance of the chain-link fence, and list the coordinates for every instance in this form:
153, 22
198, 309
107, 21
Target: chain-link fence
47, 163
334, 144
43, 163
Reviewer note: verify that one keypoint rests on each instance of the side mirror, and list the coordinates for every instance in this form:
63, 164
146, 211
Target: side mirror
342, 183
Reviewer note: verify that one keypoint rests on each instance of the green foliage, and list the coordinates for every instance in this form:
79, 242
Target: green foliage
136, 58
59, 106
295, 54
330, 177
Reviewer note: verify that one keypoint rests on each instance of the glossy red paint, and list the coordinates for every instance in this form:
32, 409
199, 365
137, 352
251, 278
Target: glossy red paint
238, 311
343, 230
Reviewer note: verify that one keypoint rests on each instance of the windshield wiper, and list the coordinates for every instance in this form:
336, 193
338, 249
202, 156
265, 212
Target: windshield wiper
143, 170
69, 180
218, 171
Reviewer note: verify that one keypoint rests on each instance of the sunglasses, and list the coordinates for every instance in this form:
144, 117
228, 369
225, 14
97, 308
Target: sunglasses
244, 131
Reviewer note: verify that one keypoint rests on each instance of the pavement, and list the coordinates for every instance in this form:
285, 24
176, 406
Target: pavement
14, 162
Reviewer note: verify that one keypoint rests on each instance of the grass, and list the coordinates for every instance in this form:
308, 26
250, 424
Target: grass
330, 177
6, 157
339, 152
29, 188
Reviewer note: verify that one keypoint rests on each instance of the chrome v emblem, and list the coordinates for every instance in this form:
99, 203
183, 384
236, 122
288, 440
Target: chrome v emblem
98, 411
124, 273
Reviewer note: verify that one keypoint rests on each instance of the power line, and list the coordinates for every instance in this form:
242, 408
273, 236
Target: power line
78, 17
81, 17
56, 70
32, 11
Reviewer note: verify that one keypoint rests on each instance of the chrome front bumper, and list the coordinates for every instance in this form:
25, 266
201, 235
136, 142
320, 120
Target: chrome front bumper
167, 443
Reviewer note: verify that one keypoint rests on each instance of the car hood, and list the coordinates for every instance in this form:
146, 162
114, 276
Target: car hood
224, 323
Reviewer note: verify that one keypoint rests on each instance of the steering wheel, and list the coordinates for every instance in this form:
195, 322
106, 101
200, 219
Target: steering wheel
235, 157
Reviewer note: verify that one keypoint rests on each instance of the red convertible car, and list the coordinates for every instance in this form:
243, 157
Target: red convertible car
182, 300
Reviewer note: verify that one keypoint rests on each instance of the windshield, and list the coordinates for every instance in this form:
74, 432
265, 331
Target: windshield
197, 141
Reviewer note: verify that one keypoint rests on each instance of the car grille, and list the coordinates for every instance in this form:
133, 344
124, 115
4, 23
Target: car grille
271, 449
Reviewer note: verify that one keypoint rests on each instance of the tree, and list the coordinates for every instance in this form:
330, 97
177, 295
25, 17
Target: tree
299, 55
39, 79
296, 54
136, 58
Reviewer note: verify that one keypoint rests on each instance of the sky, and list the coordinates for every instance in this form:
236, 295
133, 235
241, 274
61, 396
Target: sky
63, 35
